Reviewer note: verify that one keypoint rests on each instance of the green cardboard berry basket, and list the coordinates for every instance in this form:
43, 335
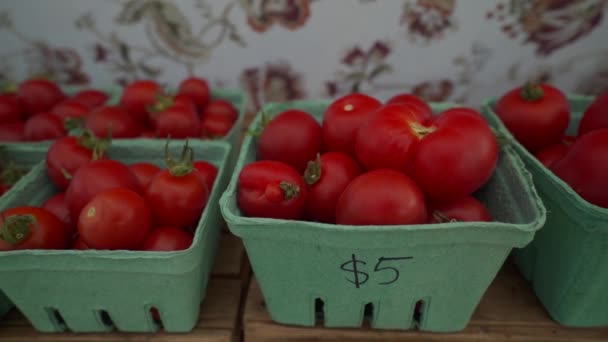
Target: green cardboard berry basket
567, 263
382, 273
94, 291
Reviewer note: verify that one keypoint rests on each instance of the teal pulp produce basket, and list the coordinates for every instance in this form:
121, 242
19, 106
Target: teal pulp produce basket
567, 263
99, 290
429, 277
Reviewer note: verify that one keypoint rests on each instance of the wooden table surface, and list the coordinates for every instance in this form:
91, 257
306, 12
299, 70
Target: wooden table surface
509, 311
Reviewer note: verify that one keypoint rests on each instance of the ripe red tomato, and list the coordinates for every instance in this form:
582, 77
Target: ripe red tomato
12, 131
550, 154
148, 134
32, 228
166, 239
381, 197
92, 98
585, 165
207, 172
58, 206
410, 99
10, 108
327, 177
197, 90
38, 95
465, 209
144, 172
115, 219
184, 100
595, 116
70, 109
271, 189
213, 127
80, 245
292, 137
95, 177
177, 121
537, 115
342, 120
44, 126
220, 108
68, 154
112, 120
137, 96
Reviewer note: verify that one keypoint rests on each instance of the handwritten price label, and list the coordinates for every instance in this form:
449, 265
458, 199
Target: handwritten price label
357, 275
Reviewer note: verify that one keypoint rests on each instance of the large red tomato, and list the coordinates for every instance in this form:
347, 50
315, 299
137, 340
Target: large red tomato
207, 172
58, 206
381, 197
327, 177
39, 95
292, 137
12, 131
585, 166
144, 172
465, 209
271, 189
115, 219
166, 239
138, 96
410, 99
537, 115
10, 108
92, 98
342, 120
32, 228
197, 90
112, 120
95, 177
44, 126
595, 116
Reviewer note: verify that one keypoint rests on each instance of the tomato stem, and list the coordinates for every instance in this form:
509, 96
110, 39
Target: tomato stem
532, 91
421, 131
163, 101
260, 127
312, 174
290, 190
442, 218
185, 165
99, 146
11, 174
73, 123
16, 228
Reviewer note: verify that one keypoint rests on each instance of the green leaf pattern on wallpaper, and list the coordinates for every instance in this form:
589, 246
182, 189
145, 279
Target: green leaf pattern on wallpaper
276, 50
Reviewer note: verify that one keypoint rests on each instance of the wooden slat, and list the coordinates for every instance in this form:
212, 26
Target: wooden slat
230, 257
509, 311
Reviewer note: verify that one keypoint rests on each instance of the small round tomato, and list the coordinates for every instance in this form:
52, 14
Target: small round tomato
551, 154
327, 177
112, 120
197, 90
536, 114
271, 189
70, 109
410, 99
465, 209
10, 108
44, 126
220, 108
92, 98
32, 228
144, 172
207, 172
12, 131
58, 206
595, 116
381, 197
213, 127
166, 239
293, 137
343, 118
39, 95
95, 177
115, 219
138, 96
177, 121
184, 100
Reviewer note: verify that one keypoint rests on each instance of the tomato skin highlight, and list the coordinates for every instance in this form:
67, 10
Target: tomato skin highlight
381, 197
166, 239
337, 170
44, 126
144, 172
595, 116
47, 232
343, 118
115, 219
466, 209
271, 189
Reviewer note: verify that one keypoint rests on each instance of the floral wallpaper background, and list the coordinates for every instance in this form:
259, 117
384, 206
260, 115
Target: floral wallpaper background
442, 50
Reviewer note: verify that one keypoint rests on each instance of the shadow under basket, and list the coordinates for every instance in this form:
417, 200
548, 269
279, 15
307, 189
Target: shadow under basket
428, 277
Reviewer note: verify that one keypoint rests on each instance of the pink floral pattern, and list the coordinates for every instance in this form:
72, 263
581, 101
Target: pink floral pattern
290, 14
275, 82
428, 20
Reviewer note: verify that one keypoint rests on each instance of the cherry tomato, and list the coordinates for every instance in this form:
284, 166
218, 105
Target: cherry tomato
465, 209
595, 116
115, 219
410, 99
327, 177
58, 206
185, 100
10, 108
292, 137
220, 108
213, 127
70, 109
95, 177
343, 118
585, 165
197, 90
537, 115
381, 197
144, 172
207, 172
148, 134
177, 121
92, 98
12, 131
271, 189
137, 96
80, 245
550, 154
32, 228
166, 239
44, 126
112, 120
68, 154
38, 95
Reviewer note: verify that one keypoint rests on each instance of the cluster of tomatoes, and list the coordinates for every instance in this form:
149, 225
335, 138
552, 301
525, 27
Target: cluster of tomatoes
538, 116
370, 163
39, 110
105, 204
